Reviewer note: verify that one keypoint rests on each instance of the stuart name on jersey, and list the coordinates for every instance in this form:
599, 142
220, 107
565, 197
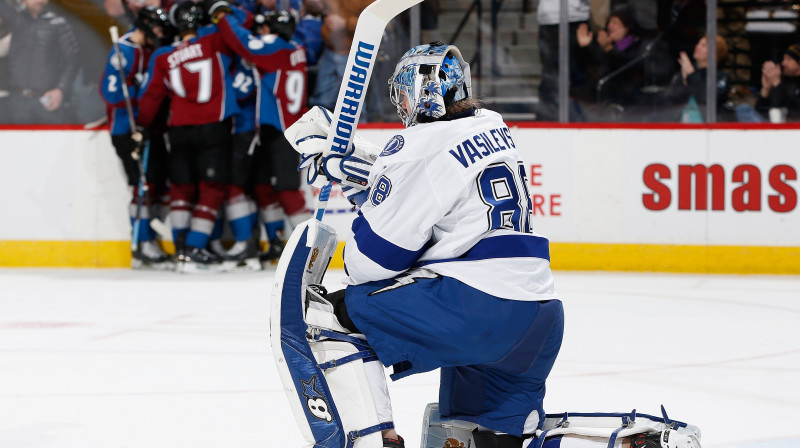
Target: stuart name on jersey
191, 52
468, 150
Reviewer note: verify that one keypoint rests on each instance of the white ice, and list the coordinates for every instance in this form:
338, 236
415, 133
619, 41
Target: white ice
119, 359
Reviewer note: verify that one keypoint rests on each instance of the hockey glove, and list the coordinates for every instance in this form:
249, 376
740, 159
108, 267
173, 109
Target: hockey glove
139, 136
216, 6
309, 136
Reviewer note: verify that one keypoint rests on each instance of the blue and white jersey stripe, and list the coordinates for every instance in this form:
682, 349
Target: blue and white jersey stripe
452, 198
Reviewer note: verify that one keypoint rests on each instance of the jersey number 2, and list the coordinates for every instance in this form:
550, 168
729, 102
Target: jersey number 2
500, 188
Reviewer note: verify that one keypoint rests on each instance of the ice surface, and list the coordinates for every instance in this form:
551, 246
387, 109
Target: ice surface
118, 359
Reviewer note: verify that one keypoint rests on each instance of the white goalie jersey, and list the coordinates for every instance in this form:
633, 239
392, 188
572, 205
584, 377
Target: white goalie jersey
452, 197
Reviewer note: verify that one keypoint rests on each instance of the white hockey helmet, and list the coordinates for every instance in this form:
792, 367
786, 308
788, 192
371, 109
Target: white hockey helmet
430, 77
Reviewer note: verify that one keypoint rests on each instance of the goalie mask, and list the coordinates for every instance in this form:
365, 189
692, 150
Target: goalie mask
430, 77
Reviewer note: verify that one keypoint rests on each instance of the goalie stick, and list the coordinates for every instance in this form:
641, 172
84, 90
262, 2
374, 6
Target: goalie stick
352, 93
155, 223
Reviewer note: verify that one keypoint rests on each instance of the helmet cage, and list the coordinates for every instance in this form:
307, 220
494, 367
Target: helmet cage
431, 77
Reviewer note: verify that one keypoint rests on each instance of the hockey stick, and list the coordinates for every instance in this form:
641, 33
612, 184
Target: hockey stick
352, 93
155, 223
137, 223
114, 32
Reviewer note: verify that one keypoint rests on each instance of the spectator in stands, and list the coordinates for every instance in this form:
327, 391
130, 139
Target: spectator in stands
690, 82
338, 27
42, 62
309, 35
548, 16
604, 56
780, 87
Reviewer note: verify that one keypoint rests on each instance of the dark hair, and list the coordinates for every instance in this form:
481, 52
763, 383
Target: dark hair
623, 13
462, 106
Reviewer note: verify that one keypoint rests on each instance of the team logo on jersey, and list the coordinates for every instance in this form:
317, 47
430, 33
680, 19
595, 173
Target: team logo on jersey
315, 401
118, 61
408, 279
394, 145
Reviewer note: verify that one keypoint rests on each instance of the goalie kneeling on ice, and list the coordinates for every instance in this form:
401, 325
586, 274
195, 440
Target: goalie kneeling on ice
571, 430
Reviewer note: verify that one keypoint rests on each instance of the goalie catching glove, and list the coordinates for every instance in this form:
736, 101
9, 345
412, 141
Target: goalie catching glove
309, 137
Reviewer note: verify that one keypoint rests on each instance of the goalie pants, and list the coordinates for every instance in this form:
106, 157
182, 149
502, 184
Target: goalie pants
495, 354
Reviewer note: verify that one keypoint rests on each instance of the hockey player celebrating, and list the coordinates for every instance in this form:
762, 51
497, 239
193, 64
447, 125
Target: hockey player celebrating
195, 75
281, 63
444, 271
129, 66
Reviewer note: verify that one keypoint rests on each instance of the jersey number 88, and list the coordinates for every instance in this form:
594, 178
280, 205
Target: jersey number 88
499, 188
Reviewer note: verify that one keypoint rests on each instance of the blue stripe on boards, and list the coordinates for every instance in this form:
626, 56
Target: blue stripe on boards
385, 253
504, 246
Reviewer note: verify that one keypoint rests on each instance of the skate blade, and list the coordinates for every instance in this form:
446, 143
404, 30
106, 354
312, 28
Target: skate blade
199, 268
248, 265
140, 265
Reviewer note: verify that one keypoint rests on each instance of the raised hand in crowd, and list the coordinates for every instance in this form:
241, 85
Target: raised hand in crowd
584, 35
687, 68
604, 40
770, 77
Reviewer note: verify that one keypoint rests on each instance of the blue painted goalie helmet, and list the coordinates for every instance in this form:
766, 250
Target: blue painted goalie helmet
426, 80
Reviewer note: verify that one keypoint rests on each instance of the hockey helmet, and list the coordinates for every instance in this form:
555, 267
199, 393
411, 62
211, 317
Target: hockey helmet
154, 22
281, 23
186, 16
430, 77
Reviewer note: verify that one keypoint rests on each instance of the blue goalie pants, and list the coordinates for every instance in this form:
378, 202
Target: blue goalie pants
495, 354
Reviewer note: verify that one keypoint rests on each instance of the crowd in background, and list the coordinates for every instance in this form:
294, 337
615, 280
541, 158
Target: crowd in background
51, 53
635, 60
646, 61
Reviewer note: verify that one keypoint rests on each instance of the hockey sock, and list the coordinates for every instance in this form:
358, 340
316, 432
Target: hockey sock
216, 233
271, 213
210, 197
238, 212
181, 197
292, 201
145, 233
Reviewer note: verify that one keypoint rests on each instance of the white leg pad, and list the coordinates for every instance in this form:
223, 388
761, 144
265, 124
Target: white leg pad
338, 403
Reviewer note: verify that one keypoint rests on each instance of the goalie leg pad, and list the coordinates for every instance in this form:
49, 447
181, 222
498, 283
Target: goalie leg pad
328, 375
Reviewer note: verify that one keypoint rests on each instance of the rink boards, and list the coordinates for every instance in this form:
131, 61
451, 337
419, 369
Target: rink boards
656, 199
